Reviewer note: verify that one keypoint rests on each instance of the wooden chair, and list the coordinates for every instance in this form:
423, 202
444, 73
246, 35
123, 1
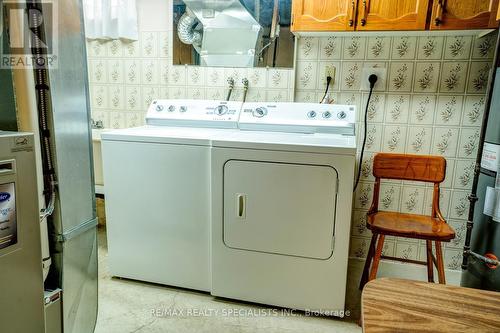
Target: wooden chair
432, 228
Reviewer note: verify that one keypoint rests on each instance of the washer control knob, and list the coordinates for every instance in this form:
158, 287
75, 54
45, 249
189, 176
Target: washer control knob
221, 110
159, 107
260, 112
341, 115
327, 114
183, 109
311, 114
171, 108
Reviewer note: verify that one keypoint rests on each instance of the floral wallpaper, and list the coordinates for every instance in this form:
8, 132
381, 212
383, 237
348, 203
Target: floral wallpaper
431, 102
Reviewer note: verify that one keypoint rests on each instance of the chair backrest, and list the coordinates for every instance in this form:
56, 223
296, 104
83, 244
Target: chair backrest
409, 167
424, 168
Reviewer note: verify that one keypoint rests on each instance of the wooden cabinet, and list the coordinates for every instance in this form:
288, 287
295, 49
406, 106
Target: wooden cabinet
345, 15
392, 14
386, 15
464, 14
323, 15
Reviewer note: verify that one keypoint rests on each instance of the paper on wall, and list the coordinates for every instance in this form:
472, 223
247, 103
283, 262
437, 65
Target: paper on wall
490, 159
492, 200
492, 203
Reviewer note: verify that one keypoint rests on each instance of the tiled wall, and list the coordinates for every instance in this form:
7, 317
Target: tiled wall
126, 76
430, 103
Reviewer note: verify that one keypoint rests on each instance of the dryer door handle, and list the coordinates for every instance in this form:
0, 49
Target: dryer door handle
241, 200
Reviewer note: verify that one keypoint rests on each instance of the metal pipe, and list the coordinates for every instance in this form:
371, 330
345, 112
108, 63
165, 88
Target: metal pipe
49, 209
230, 81
245, 88
274, 22
477, 168
489, 261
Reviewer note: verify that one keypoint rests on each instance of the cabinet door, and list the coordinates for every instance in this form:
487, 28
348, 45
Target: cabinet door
392, 14
460, 14
323, 15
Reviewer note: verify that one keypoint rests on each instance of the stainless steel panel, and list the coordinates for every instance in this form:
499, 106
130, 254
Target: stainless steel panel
80, 283
71, 121
75, 250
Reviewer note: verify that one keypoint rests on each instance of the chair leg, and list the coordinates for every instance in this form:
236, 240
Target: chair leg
440, 263
369, 257
430, 264
376, 258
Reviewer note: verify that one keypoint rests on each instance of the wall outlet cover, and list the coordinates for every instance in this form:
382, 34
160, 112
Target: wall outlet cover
330, 71
381, 73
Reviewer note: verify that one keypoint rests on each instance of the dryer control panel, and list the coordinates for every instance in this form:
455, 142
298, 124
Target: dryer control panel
193, 113
299, 117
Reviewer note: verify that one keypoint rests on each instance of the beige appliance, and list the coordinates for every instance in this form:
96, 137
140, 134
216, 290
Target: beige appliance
21, 277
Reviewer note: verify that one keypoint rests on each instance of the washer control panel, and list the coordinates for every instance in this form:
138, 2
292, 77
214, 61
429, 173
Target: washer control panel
196, 113
299, 117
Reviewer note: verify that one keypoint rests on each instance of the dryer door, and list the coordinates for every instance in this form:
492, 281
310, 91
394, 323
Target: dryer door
280, 208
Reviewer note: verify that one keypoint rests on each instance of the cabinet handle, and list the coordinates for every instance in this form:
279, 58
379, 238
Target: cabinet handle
351, 20
439, 12
363, 19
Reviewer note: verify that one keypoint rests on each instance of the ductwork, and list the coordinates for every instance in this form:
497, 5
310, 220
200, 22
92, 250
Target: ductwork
221, 22
186, 29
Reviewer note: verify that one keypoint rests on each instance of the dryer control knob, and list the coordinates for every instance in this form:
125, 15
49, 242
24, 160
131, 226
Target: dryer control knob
183, 109
341, 115
311, 114
159, 107
260, 112
221, 110
327, 114
171, 108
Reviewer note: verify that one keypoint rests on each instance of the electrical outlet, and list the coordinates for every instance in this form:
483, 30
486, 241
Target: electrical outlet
376, 69
330, 71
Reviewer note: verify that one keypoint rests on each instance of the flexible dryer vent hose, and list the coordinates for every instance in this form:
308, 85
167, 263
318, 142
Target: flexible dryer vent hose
43, 100
42, 88
185, 29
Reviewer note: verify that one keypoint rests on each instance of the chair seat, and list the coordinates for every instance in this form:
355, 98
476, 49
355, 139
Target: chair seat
410, 225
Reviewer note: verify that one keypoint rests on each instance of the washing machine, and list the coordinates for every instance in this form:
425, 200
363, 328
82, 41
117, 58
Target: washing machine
281, 206
157, 190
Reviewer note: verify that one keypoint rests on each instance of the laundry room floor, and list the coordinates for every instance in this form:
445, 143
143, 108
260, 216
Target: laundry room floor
132, 306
